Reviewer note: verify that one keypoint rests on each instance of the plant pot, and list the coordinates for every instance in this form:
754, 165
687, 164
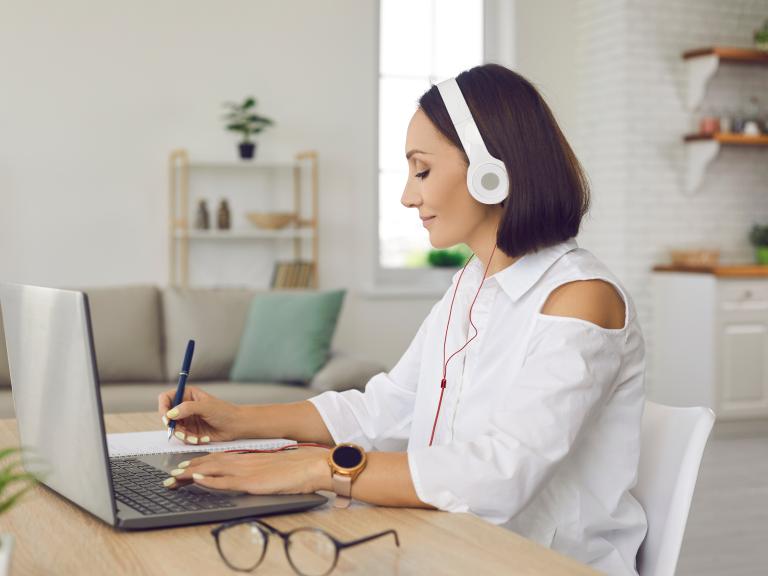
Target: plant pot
6, 547
247, 150
762, 254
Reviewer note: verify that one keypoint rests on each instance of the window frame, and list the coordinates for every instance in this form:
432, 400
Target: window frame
403, 281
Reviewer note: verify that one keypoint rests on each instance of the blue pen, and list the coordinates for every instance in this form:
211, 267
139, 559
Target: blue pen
182, 382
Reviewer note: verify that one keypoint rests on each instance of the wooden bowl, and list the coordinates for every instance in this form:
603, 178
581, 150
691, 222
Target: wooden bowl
271, 220
695, 257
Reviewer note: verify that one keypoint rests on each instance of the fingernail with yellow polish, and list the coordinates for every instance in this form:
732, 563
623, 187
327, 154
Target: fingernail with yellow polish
165, 421
184, 464
197, 476
177, 471
179, 434
169, 481
205, 439
172, 413
192, 439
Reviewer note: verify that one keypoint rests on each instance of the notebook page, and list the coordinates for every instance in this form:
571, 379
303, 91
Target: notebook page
156, 442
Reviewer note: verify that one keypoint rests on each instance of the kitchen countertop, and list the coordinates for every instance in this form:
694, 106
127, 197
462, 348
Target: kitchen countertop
722, 270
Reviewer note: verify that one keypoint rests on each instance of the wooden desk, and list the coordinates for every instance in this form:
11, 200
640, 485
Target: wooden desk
55, 537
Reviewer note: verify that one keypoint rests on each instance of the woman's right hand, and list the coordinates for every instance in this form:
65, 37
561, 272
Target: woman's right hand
200, 417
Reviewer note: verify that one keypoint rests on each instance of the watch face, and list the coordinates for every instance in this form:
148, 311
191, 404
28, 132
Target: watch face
347, 456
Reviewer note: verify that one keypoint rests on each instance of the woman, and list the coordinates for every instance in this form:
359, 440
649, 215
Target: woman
520, 397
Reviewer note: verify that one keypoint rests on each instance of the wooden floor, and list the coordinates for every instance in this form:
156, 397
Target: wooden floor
727, 531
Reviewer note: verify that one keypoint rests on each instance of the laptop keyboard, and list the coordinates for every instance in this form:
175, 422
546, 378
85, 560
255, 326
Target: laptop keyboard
140, 486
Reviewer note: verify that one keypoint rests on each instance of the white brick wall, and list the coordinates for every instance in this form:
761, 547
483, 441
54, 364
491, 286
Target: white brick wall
632, 115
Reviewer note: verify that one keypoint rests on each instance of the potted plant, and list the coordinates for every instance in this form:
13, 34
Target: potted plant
758, 236
13, 484
243, 119
761, 37
452, 257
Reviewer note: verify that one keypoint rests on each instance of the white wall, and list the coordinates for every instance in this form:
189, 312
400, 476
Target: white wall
545, 37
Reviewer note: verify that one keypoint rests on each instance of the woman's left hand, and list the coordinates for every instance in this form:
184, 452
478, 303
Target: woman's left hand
294, 471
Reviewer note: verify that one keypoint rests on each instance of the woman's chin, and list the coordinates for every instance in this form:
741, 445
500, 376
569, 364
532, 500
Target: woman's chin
440, 243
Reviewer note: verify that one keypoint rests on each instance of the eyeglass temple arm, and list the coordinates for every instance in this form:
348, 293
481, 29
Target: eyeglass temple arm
369, 538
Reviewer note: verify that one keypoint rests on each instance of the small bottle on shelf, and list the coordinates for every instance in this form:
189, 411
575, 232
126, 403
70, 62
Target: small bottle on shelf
223, 216
202, 221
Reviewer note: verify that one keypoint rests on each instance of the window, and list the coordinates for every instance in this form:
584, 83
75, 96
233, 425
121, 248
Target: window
421, 42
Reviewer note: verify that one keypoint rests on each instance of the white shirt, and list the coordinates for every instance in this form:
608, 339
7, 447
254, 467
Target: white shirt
539, 428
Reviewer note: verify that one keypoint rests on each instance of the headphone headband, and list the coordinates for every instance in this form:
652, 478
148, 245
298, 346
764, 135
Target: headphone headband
459, 111
487, 178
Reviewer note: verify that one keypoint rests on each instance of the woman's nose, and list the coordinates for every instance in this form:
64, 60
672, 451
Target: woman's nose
410, 197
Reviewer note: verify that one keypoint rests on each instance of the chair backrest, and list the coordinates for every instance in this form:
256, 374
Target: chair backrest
672, 444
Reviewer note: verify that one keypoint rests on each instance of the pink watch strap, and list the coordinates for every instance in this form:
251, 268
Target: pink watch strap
342, 485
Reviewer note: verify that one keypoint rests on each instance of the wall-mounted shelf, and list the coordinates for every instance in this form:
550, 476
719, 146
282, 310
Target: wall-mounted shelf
729, 138
702, 149
182, 169
702, 63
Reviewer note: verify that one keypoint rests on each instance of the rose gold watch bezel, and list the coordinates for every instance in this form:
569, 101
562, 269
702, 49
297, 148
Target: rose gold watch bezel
351, 472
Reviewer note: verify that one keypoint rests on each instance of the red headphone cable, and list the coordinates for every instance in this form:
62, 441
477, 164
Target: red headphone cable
445, 340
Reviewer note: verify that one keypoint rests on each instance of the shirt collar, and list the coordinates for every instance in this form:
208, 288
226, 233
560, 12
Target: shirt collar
520, 277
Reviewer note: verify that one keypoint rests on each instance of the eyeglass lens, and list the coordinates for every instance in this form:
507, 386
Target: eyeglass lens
242, 545
311, 552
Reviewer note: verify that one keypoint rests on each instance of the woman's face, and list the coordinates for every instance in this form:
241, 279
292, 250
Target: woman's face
437, 186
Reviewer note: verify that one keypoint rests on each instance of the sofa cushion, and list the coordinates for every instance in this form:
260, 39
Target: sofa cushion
142, 396
287, 337
5, 375
127, 332
345, 372
214, 318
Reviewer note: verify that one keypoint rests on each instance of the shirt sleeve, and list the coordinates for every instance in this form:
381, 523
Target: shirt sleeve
569, 371
379, 418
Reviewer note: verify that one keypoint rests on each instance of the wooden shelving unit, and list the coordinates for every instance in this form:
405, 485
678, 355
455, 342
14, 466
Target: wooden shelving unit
180, 233
701, 65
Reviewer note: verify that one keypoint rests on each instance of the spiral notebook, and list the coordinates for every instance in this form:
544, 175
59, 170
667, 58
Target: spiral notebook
156, 442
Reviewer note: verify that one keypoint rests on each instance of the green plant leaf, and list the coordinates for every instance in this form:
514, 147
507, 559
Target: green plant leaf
257, 118
8, 451
6, 505
250, 102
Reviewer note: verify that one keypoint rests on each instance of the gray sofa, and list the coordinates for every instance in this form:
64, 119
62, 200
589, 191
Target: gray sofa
140, 333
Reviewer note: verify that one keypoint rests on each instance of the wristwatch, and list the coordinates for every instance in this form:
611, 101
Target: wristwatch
346, 462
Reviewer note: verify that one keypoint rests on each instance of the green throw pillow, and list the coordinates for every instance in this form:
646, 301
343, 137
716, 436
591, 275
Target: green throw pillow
287, 336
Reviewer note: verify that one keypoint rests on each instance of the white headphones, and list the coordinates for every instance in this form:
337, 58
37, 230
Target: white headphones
487, 178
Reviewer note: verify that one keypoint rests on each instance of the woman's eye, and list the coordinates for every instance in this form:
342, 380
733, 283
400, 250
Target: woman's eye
422, 175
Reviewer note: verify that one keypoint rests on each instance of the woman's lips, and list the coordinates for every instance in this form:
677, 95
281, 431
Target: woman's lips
426, 221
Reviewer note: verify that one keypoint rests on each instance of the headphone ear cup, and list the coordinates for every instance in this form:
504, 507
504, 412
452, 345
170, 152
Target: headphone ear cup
488, 182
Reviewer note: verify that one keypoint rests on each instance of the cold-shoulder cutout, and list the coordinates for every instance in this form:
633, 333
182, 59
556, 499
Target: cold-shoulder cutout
595, 300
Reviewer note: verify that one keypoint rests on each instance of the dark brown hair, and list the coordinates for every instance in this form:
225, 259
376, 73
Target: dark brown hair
548, 189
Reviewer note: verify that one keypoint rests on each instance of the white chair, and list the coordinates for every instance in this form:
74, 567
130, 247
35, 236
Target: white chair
672, 443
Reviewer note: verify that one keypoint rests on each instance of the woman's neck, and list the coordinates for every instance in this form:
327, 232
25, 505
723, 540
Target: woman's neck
483, 248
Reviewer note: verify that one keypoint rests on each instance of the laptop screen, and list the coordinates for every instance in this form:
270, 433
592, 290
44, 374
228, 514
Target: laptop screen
56, 393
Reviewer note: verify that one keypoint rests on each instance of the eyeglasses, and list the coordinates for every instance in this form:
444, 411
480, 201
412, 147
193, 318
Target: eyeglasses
242, 544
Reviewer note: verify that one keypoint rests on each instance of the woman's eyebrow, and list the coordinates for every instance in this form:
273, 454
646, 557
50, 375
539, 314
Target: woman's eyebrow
414, 151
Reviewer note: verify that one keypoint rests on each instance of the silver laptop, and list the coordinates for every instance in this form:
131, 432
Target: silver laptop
57, 400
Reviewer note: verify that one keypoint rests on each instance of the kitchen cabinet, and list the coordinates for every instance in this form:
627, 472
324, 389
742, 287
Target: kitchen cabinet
710, 339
